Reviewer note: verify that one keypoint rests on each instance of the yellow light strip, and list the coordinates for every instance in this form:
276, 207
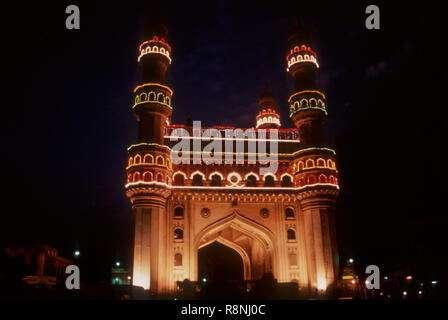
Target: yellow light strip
313, 148
153, 84
148, 144
306, 91
131, 184
152, 102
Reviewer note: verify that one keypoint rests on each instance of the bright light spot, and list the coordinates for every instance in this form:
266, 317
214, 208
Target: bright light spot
321, 283
409, 278
420, 292
381, 293
434, 282
421, 284
405, 293
77, 253
367, 281
129, 277
353, 281
386, 278
117, 264
351, 260
204, 279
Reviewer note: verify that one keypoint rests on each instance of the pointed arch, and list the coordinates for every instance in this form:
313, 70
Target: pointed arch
148, 158
321, 163
309, 163
160, 161
246, 226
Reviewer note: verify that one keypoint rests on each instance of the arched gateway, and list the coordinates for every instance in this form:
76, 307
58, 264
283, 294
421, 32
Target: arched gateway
251, 240
280, 221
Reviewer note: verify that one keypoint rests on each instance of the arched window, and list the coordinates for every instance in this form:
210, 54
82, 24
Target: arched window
310, 163
251, 181
197, 180
160, 160
311, 179
291, 234
289, 213
178, 234
216, 180
286, 181
129, 178
137, 159
177, 259
331, 179
179, 212
321, 163
152, 96
159, 177
147, 176
300, 165
179, 180
322, 178
136, 176
269, 181
148, 158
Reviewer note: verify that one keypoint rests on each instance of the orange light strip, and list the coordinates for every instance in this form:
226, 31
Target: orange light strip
231, 139
156, 40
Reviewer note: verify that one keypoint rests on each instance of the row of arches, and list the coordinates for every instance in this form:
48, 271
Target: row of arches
297, 49
302, 58
152, 96
216, 179
149, 159
154, 50
311, 164
313, 179
269, 119
307, 103
148, 176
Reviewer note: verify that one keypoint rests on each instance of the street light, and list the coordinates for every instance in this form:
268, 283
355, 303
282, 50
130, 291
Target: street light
117, 264
76, 253
351, 260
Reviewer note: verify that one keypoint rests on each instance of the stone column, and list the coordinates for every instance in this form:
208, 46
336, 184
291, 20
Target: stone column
320, 242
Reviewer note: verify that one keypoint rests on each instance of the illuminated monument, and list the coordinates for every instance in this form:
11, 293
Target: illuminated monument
281, 222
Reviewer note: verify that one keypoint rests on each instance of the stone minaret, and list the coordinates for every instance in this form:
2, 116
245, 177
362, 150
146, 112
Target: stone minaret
313, 163
149, 170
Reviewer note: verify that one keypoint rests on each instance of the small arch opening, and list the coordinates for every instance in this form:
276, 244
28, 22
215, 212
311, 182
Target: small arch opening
289, 213
291, 234
178, 234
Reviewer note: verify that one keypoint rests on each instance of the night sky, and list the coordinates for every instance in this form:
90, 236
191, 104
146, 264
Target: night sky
66, 116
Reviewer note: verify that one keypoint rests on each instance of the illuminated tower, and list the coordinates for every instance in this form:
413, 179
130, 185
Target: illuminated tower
314, 164
149, 169
268, 116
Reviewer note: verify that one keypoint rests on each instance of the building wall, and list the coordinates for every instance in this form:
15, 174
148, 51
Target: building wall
263, 241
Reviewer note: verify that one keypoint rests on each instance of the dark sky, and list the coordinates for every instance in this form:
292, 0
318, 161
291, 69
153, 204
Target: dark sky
67, 96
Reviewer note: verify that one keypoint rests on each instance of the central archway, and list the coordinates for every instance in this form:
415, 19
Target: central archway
252, 241
220, 263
